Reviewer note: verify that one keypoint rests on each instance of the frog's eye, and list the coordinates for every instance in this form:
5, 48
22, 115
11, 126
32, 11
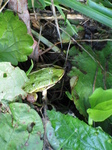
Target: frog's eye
33, 84
50, 71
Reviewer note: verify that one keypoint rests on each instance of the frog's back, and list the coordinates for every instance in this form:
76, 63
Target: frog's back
43, 79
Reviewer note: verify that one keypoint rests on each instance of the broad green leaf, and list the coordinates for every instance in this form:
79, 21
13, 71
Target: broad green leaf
84, 68
15, 43
12, 80
101, 105
21, 130
104, 56
99, 96
90, 75
74, 134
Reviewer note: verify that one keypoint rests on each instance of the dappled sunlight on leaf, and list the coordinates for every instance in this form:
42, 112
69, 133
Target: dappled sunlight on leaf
11, 80
72, 133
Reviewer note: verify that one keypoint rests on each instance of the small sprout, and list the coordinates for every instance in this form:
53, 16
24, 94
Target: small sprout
33, 84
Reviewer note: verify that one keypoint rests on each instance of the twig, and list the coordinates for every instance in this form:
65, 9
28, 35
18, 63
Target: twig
67, 53
49, 16
56, 21
45, 99
4, 6
95, 79
95, 40
34, 9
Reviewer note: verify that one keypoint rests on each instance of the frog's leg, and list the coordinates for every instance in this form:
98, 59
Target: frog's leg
32, 98
44, 94
44, 98
45, 120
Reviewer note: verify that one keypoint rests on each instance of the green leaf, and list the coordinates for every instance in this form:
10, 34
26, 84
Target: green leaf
90, 74
74, 134
105, 3
15, 43
100, 96
101, 105
51, 136
22, 129
84, 69
100, 8
11, 81
88, 11
37, 4
69, 29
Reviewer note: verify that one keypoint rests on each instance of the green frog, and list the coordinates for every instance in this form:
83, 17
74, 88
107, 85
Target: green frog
43, 79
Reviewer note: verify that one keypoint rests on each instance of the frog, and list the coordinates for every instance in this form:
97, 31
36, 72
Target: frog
43, 79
